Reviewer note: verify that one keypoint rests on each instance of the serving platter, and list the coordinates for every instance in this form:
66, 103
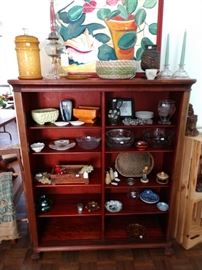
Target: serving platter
63, 147
132, 164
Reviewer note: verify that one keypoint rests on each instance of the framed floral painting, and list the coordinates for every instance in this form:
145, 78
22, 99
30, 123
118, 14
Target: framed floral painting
107, 30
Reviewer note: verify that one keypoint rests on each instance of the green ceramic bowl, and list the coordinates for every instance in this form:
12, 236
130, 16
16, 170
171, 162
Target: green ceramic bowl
47, 115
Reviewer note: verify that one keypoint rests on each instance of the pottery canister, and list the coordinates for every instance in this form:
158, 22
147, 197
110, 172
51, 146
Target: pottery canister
150, 58
27, 50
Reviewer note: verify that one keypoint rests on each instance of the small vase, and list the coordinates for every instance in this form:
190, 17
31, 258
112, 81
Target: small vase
150, 58
43, 204
114, 113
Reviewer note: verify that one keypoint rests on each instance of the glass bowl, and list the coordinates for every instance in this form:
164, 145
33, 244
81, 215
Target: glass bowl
119, 138
88, 142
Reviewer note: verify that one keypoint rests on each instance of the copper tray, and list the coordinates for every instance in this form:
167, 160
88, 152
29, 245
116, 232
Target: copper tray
132, 164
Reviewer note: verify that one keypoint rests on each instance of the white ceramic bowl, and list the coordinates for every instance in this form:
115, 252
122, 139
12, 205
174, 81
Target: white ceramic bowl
145, 115
37, 147
47, 115
116, 69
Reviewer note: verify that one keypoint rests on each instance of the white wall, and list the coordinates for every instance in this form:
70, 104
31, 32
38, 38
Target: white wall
178, 16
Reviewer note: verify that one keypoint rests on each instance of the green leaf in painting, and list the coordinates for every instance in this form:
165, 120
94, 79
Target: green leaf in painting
146, 41
123, 12
153, 28
72, 31
63, 17
149, 3
140, 16
114, 13
106, 53
127, 41
131, 5
75, 13
103, 38
138, 54
104, 13
94, 26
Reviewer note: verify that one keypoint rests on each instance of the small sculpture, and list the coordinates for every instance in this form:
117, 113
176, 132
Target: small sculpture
107, 178
192, 118
144, 178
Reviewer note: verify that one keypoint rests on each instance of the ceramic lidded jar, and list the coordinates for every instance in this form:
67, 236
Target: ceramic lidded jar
27, 49
150, 58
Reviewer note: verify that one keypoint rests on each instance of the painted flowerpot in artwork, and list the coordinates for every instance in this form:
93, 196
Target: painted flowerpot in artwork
123, 35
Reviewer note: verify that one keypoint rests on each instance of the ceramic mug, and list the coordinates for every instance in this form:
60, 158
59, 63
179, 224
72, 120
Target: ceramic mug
151, 73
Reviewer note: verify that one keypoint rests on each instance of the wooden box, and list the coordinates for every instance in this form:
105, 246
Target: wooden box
71, 175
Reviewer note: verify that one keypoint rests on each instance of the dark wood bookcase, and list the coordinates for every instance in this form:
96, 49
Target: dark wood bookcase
62, 227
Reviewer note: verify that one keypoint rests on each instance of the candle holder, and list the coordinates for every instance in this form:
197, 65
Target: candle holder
166, 73
180, 73
54, 49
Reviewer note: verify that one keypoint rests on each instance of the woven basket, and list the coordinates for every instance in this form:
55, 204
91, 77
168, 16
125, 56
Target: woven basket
132, 164
116, 69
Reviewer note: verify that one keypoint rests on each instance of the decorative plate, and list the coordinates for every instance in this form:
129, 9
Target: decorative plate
148, 196
77, 77
113, 206
61, 123
61, 147
76, 123
132, 164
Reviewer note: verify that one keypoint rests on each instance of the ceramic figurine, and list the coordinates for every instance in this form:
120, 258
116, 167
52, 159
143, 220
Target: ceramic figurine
191, 129
107, 178
144, 178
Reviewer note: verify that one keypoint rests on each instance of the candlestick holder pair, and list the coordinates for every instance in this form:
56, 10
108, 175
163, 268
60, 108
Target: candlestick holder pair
180, 73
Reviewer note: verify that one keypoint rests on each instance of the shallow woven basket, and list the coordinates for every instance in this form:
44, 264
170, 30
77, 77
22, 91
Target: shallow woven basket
132, 164
116, 69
